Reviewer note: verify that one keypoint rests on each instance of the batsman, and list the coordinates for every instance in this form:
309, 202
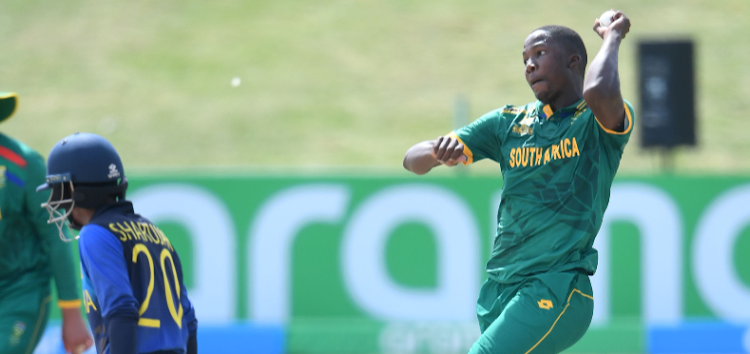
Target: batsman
558, 157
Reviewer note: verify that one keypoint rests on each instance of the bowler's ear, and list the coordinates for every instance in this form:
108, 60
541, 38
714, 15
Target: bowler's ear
574, 61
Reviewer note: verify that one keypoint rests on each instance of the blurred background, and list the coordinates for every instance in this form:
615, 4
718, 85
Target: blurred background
266, 140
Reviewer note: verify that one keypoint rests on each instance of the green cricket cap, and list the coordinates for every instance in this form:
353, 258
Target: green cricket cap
8, 104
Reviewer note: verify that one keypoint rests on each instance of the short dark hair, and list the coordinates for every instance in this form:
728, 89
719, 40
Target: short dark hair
570, 41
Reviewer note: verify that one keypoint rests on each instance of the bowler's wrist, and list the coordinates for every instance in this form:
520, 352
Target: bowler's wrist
613, 35
70, 313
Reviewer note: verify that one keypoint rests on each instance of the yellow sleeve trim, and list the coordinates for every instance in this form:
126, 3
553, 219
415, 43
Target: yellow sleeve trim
627, 130
467, 151
69, 304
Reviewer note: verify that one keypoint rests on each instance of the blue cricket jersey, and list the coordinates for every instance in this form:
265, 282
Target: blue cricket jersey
130, 268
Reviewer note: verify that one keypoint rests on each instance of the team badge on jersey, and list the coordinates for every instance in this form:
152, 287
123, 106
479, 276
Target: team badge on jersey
18, 330
528, 120
524, 127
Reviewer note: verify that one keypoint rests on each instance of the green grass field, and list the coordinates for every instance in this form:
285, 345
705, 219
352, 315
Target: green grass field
340, 84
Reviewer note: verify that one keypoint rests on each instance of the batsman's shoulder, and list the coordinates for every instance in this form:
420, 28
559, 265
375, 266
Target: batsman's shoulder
92, 233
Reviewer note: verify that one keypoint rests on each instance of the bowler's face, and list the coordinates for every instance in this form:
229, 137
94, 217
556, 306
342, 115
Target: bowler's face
544, 66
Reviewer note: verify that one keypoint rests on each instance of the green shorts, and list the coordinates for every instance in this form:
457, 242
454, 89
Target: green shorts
24, 309
545, 313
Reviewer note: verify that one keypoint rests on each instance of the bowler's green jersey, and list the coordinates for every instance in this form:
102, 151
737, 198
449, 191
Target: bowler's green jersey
557, 172
30, 249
